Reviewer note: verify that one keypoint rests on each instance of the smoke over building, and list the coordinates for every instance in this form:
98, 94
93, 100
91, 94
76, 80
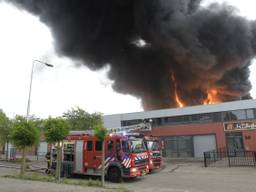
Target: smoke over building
165, 52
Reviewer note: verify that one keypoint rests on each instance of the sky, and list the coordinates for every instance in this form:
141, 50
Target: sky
23, 38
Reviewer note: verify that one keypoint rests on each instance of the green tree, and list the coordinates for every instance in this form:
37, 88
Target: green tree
40, 125
56, 129
100, 132
5, 124
79, 119
96, 119
24, 134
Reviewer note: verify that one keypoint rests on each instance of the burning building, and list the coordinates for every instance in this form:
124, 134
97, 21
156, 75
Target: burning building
169, 53
191, 131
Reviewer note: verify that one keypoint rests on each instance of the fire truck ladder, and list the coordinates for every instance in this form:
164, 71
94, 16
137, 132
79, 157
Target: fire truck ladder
137, 127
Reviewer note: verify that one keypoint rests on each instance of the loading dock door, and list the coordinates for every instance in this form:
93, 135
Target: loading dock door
203, 143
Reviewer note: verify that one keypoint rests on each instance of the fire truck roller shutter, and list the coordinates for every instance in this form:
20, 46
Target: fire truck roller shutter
79, 156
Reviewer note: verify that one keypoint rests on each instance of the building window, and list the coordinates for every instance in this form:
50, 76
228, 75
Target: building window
157, 122
216, 117
131, 122
234, 115
207, 117
198, 118
174, 120
249, 114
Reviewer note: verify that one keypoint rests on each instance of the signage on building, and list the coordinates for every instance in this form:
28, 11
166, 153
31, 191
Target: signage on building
243, 125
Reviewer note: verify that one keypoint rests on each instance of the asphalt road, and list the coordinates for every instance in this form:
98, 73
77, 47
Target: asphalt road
182, 177
193, 177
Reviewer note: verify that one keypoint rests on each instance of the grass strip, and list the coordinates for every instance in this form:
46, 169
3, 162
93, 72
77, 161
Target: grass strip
77, 182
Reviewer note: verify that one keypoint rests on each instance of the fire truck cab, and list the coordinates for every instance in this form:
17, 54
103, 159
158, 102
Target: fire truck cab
125, 157
154, 149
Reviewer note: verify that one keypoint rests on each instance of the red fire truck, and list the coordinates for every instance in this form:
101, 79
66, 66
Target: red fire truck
125, 157
153, 144
154, 149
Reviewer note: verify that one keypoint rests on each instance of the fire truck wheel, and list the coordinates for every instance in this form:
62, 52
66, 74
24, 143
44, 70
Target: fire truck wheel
114, 174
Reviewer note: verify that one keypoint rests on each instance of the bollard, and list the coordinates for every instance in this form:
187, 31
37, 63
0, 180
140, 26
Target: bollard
205, 161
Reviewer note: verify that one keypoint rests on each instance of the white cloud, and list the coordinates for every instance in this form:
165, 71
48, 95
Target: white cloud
55, 90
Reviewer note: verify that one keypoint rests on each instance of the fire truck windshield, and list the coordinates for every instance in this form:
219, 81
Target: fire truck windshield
137, 145
153, 145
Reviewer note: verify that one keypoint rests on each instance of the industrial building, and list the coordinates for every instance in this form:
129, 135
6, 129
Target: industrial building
190, 131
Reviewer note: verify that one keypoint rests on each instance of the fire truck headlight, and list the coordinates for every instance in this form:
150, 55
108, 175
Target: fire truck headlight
151, 162
133, 169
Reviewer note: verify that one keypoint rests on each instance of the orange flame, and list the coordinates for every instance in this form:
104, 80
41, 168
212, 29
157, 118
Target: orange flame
212, 97
177, 99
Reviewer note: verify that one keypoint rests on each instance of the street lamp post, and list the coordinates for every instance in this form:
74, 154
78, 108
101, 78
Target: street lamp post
31, 81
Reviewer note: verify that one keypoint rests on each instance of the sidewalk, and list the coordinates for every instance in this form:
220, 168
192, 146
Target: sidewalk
15, 185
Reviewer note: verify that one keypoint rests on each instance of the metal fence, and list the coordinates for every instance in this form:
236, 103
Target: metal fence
8, 154
12, 155
230, 158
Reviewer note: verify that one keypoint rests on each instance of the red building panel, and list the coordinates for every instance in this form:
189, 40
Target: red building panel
193, 129
249, 137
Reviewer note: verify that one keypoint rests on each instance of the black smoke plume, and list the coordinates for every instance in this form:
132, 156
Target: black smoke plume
145, 41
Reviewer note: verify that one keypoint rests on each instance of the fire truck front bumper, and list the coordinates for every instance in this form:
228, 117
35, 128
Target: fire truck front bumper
139, 171
155, 163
